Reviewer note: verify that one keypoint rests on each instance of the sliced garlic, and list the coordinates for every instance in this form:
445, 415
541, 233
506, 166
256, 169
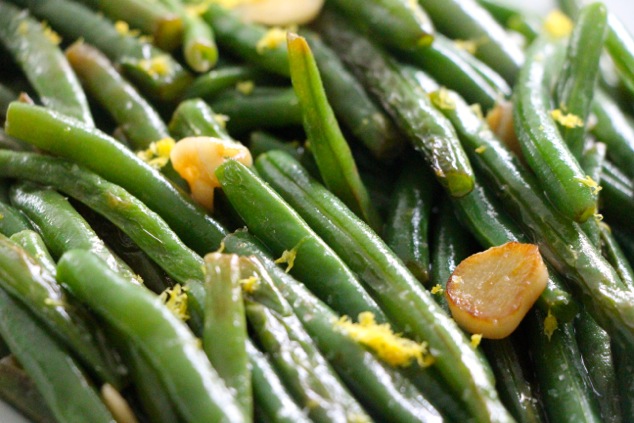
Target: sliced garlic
196, 160
489, 293
279, 12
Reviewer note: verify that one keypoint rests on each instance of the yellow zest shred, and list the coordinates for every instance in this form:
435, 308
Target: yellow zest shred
273, 38
176, 300
221, 120
23, 28
590, 183
557, 24
598, 217
442, 99
389, 347
221, 249
123, 28
157, 66
476, 338
158, 153
477, 109
50, 34
568, 120
437, 289
470, 46
288, 257
245, 87
481, 149
250, 284
550, 325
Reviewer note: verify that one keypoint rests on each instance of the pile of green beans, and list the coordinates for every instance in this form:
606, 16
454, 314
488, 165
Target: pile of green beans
390, 139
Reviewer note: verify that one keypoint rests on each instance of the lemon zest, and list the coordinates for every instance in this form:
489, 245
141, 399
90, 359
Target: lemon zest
273, 38
437, 289
123, 28
389, 347
470, 46
476, 338
442, 99
550, 325
53, 36
156, 66
590, 183
568, 120
158, 153
598, 217
221, 120
245, 87
481, 149
175, 299
557, 24
288, 258
250, 285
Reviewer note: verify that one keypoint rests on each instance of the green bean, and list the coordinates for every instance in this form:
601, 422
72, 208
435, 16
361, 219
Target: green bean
389, 281
450, 244
10, 143
406, 229
577, 79
396, 23
515, 391
7, 95
138, 120
306, 373
465, 19
592, 164
56, 134
615, 130
425, 128
617, 196
566, 391
199, 45
281, 228
455, 69
225, 319
352, 105
147, 385
328, 145
153, 18
242, 39
513, 18
625, 378
17, 388
33, 244
560, 241
616, 256
153, 70
260, 142
152, 275
620, 45
61, 227
215, 81
264, 107
544, 149
271, 397
378, 386
12, 220
43, 63
185, 371
595, 349
61, 381
194, 118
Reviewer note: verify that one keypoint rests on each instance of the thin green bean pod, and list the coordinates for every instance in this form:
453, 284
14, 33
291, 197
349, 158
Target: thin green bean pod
404, 100
33, 244
61, 136
575, 85
559, 173
61, 381
43, 63
327, 143
194, 118
185, 371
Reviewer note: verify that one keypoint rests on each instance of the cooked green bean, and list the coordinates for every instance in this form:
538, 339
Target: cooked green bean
329, 147
185, 371
58, 135
194, 118
12, 220
33, 244
43, 63
215, 81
